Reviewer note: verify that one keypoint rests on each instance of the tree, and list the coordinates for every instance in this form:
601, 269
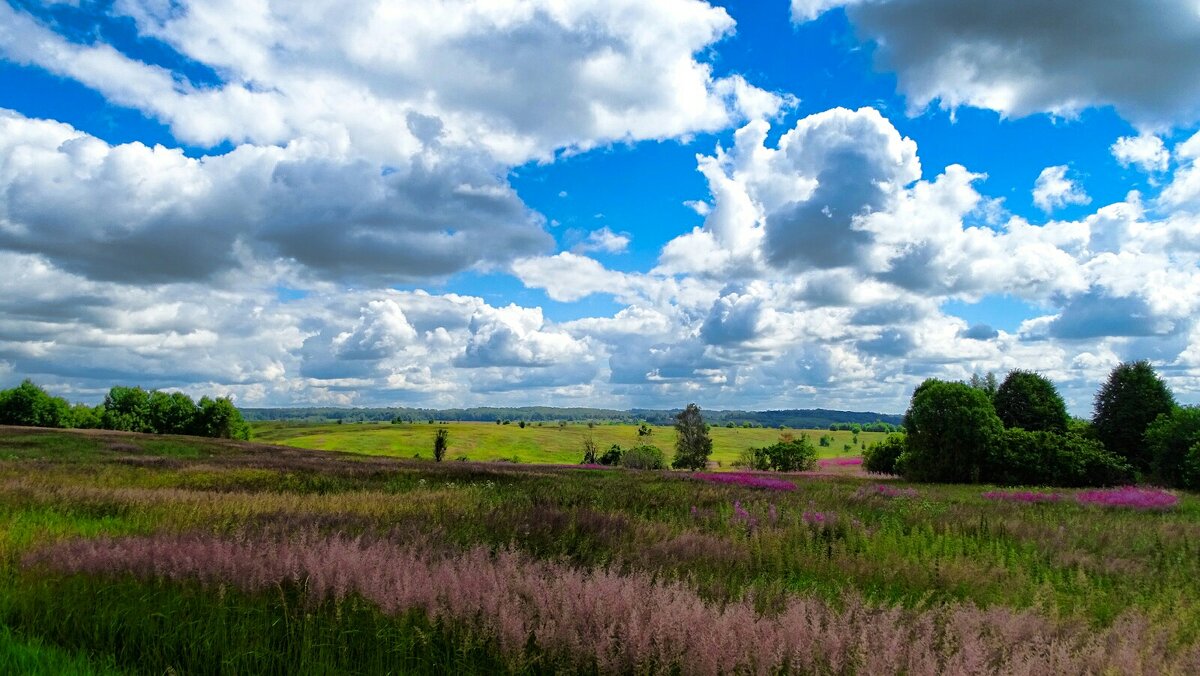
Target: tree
644, 430
985, 384
1171, 442
173, 413
28, 404
1030, 401
881, 456
1126, 404
589, 450
791, 454
220, 418
441, 441
951, 430
127, 409
692, 443
644, 457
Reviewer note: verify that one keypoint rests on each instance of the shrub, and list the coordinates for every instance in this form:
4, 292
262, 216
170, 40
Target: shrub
880, 457
589, 450
791, 454
1132, 398
1021, 457
644, 457
1172, 442
951, 429
612, 456
692, 443
441, 442
1030, 401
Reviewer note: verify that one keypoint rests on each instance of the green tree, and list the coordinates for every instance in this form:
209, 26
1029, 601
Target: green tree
173, 413
951, 430
692, 443
1170, 442
985, 384
441, 442
1030, 401
589, 450
127, 409
881, 456
220, 418
87, 417
791, 454
1132, 398
27, 404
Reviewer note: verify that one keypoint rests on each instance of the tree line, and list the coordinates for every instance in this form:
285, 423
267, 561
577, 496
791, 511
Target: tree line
128, 409
1018, 432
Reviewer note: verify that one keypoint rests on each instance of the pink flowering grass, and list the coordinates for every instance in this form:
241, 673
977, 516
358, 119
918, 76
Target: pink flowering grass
884, 491
600, 620
1027, 497
839, 462
745, 479
1129, 496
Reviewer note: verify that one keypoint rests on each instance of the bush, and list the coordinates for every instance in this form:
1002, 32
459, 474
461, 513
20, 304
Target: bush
792, 454
612, 456
1172, 442
644, 457
1029, 401
589, 450
1025, 458
951, 429
441, 442
880, 457
1132, 398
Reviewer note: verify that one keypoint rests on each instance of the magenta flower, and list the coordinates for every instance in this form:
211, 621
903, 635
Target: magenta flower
839, 462
745, 479
817, 518
1129, 496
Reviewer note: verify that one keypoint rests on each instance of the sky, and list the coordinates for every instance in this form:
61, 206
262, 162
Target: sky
754, 204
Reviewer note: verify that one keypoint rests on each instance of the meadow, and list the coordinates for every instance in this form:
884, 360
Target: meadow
126, 553
547, 443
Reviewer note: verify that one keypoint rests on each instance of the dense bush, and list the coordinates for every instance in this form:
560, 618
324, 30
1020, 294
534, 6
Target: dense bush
1022, 457
1030, 401
880, 457
951, 430
644, 457
1132, 398
612, 456
1173, 444
28, 404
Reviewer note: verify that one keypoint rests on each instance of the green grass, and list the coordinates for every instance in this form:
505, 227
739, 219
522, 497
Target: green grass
945, 545
545, 444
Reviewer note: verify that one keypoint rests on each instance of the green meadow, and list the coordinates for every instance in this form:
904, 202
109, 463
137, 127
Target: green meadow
139, 554
548, 443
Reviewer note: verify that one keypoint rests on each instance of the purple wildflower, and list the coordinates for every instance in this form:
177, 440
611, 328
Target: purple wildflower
1028, 497
885, 491
1129, 496
745, 479
839, 462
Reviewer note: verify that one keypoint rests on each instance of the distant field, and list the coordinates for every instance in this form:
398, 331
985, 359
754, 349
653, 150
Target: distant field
546, 444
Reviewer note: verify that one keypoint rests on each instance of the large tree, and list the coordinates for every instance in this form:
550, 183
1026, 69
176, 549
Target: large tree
1028, 400
28, 404
952, 429
692, 443
1126, 404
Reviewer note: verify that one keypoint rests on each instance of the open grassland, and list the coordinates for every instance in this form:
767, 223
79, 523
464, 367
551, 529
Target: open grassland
548, 443
123, 553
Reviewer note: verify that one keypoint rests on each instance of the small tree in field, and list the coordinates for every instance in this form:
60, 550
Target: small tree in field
441, 441
1126, 405
692, 443
589, 450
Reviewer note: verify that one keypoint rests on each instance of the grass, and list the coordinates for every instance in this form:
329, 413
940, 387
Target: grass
943, 557
549, 443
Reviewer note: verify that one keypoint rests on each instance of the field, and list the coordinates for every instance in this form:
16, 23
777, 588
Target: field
548, 443
124, 553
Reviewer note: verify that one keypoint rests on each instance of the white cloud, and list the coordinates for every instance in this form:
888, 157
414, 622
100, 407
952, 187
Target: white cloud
604, 240
1053, 189
1145, 151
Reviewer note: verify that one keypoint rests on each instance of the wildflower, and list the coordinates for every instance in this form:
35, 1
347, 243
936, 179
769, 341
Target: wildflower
1129, 496
1028, 497
745, 479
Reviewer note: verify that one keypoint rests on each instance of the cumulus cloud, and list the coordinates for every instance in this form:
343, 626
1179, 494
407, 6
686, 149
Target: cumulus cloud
1030, 56
1053, 189
604, 240
1145, 151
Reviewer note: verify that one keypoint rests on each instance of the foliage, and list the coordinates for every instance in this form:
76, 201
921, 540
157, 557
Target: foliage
1030, 401
441, 441
589, 451
29, 405
1024, 458
985, 384
951, 430
219, 418
880, 457
692, 443
644, 457
1126, 404
611, 457
1172, 441
789, 454
644, 430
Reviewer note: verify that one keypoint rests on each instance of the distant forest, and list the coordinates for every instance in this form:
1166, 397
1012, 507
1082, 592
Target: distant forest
817, 418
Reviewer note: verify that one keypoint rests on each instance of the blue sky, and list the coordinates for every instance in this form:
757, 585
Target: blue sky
744, 204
